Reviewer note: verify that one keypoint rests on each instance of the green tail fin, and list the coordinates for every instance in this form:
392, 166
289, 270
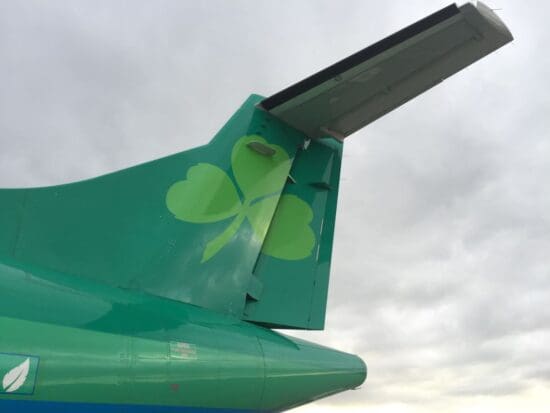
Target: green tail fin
197, 227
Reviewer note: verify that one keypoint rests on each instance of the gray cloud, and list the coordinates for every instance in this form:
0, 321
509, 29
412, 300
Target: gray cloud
440, 275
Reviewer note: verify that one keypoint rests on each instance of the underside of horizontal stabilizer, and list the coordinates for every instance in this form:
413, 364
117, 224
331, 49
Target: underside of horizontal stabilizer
356, 91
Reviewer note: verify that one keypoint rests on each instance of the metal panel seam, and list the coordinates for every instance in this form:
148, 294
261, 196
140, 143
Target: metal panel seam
262, 354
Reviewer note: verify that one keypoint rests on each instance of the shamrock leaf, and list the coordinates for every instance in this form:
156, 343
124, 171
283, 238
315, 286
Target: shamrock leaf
259, 215
290, 236
207, 195
259, 175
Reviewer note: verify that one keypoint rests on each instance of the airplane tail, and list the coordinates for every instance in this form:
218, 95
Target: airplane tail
222, 226
245, 224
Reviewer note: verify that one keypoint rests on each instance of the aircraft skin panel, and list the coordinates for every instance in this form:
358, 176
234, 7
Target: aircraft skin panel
302, 284
78, 341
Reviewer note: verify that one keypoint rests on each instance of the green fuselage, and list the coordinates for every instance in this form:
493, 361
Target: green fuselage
94, 345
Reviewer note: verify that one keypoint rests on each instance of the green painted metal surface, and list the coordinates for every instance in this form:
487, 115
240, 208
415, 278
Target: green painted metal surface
101, 344
302, 285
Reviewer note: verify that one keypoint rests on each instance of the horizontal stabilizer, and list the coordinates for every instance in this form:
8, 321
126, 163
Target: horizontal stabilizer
356, 91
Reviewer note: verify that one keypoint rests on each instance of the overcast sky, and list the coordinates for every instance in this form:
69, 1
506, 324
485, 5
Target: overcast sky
440, 277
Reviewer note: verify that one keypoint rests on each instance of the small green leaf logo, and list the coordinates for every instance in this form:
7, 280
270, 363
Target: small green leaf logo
209, 195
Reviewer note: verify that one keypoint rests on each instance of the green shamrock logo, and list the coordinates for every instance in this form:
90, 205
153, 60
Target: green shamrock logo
209, 195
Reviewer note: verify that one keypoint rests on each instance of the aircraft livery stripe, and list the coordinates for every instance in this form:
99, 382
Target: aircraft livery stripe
28, 406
